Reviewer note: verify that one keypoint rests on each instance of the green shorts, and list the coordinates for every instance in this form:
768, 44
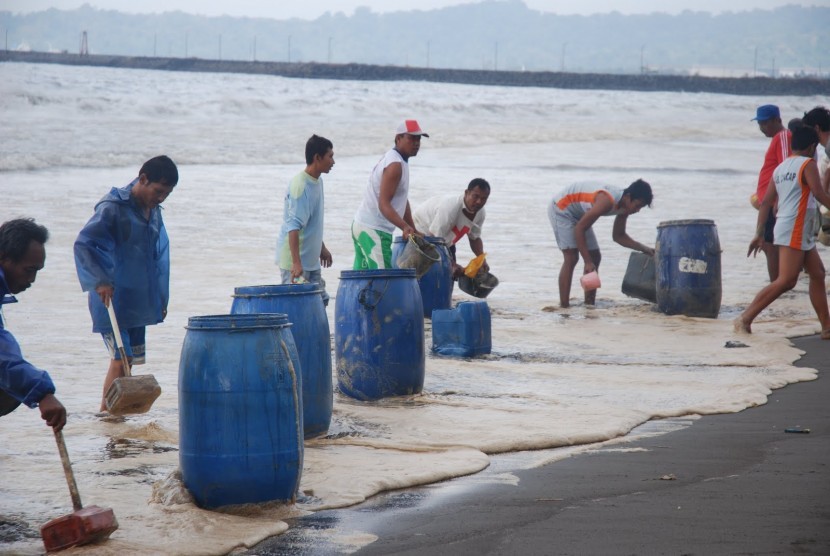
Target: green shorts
372, 248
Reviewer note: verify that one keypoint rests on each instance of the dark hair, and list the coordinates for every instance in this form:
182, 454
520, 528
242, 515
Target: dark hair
16, 235
639, 190
803, 138
316, 145
481, 183
161, 170
818, 116
794, 124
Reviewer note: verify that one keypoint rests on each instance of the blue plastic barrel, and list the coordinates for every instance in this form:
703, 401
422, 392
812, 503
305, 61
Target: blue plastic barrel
436, 284
379, 334
463, 331
303, 304
688, 268
240, 412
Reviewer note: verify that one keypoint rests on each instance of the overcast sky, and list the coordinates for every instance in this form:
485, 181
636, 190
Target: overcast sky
311, 9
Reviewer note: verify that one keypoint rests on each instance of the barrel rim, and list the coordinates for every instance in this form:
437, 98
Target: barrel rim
238, 321
431, 239
300, 289
377, 273
701, 221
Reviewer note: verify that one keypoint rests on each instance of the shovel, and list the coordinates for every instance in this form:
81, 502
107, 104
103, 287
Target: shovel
84, 525
129, 394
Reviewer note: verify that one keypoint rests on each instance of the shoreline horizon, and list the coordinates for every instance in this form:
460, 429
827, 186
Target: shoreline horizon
643, 82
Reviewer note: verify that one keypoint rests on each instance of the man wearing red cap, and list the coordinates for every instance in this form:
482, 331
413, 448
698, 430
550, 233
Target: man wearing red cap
769, 122
385, 204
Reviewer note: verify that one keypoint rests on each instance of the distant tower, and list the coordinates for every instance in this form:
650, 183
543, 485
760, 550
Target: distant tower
84, 45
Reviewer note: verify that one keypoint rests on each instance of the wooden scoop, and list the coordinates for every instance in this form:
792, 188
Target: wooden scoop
129, 394
84, 525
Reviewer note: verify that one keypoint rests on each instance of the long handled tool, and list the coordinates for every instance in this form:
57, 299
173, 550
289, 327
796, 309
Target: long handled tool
84, 525
129, 394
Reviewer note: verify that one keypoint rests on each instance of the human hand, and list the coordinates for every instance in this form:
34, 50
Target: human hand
105, 292
325, 257
757, 244
457, 270
296, 270
52, 411
589, 267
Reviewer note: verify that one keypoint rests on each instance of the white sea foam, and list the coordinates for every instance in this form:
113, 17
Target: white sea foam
556, 378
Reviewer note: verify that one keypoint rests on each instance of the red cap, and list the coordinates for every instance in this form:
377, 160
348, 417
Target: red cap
410, 127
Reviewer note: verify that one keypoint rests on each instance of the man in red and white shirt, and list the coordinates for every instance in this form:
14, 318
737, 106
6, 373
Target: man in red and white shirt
769, 122
451, 217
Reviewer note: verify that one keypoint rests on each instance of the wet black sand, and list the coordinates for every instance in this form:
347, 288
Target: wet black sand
728, 484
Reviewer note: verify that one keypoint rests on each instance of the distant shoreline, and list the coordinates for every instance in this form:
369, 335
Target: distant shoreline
802, 86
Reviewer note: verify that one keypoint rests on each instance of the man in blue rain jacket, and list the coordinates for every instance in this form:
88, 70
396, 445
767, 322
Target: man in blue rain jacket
122, 256
22, 256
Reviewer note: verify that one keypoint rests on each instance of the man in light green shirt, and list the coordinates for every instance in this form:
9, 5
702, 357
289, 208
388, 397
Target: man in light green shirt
300, 249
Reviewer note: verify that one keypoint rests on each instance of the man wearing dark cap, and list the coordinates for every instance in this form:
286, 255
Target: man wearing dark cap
385, 204
769, 122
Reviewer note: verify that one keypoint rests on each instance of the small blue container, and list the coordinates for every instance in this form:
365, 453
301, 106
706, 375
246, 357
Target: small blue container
688, 268
463, 331
437, 284
240, 410
379, 334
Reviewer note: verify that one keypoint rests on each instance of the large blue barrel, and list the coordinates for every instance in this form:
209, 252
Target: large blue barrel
379, 334
436, 284
303, 304
240, 412
688, 268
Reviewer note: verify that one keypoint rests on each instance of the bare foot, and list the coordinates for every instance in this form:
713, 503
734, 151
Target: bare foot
738, 325
825, 334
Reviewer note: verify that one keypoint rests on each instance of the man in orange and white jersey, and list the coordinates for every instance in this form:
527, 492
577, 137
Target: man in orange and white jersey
574, 210
795, 186
768, 117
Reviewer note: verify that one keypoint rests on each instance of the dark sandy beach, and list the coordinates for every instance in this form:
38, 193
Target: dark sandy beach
728, 484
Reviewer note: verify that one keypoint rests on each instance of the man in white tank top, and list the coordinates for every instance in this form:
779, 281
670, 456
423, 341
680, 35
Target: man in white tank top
385, 204
796, 186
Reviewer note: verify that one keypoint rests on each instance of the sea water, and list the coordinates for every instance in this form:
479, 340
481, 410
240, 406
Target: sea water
555, 377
